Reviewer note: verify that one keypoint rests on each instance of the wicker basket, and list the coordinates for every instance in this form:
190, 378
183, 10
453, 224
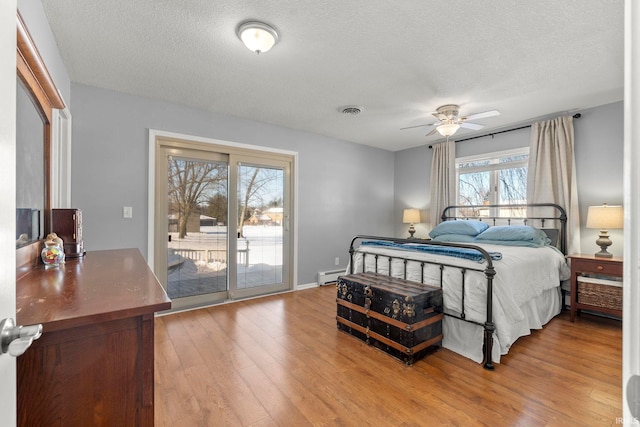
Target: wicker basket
600, 293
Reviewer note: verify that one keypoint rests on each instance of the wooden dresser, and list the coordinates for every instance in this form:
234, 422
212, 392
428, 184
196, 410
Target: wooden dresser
93, 364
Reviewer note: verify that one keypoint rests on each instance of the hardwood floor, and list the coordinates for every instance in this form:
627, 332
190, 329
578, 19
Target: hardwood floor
280, 361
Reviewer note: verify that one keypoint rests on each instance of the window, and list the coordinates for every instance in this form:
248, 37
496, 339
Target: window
493, 178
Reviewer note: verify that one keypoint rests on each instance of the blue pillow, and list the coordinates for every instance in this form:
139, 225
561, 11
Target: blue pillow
514, 233
460, 238
469, 227
525, 243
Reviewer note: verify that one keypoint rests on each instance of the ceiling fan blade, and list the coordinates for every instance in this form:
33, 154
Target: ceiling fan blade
473, 126
432, 132
418, 126
483, 115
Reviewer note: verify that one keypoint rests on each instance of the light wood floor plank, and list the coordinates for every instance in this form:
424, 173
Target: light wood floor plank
280, 361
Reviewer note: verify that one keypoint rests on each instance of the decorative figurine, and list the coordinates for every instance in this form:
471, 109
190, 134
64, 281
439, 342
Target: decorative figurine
53, 252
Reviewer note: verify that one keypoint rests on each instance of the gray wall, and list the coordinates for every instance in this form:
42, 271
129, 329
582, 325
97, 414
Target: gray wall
343, 188
598, 154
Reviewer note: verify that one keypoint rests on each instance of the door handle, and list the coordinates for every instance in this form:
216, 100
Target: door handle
15, 340
633, 396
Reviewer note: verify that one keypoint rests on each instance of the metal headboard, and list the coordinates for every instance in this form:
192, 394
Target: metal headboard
533, 217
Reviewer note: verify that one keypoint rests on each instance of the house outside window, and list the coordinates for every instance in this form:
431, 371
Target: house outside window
492, 179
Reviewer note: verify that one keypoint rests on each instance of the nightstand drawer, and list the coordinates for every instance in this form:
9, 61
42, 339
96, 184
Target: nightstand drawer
596, 267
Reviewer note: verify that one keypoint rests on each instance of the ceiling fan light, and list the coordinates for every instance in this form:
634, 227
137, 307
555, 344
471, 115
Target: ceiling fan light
448, 129
257, 36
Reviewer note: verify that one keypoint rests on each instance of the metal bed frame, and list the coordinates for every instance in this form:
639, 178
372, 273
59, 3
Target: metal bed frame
488, 269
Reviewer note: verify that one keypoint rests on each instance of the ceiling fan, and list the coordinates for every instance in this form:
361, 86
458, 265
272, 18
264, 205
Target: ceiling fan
450, 120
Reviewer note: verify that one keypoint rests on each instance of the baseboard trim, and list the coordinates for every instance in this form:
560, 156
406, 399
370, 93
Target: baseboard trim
306, 286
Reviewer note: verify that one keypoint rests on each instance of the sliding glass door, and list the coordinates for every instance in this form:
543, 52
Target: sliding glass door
221, 223
196, 232
262, 227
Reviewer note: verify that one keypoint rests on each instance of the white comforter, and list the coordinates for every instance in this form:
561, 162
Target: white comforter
522, 274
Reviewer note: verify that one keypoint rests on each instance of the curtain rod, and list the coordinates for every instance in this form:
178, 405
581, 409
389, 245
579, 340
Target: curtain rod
575, 116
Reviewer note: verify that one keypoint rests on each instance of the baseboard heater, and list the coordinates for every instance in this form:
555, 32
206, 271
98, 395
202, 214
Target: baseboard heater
329, 277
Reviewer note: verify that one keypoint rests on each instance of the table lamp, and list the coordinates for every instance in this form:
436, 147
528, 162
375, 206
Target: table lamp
411, 216
605, 218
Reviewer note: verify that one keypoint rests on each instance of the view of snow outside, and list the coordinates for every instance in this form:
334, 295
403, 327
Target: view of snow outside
198, 262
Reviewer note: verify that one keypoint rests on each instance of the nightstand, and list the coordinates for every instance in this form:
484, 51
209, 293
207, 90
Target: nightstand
592, 287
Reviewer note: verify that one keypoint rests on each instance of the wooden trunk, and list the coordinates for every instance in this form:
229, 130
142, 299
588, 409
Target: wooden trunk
400, 317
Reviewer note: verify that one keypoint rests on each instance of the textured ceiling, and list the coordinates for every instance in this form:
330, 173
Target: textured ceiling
398, 60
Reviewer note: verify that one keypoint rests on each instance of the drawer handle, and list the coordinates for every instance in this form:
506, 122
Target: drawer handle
599, 268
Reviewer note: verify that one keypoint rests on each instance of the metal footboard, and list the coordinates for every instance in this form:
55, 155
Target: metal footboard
488, 271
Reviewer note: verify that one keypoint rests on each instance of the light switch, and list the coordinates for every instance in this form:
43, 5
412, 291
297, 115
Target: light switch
127, 212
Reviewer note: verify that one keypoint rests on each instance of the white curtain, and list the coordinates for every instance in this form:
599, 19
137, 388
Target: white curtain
552, 174
443, 179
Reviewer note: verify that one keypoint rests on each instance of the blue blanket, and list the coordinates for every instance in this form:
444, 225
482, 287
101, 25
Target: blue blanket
464, 253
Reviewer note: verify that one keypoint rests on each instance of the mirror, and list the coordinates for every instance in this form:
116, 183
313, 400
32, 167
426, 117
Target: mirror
30, 182
37, 96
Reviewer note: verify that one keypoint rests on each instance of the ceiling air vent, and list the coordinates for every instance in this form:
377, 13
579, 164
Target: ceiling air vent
351, 110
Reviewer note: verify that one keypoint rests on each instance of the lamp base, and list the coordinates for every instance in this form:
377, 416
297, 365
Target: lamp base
412, 231
603, 254
604, 242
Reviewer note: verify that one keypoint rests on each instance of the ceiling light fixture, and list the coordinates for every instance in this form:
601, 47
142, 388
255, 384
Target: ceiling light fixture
257, 36
448, 129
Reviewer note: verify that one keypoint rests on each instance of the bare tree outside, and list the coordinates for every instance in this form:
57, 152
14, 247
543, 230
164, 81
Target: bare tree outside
256, 191
513, 186
474, 188
500, 180
191, 184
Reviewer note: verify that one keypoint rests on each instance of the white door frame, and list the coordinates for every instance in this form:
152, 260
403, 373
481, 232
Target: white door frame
631, 296
61, 158
8, 400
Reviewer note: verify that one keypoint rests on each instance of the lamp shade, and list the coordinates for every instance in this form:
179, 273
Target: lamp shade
448, 129
257, 36
605, 217
411, 216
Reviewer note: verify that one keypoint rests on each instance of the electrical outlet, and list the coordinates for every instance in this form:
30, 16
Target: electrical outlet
127, 212
337, 261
